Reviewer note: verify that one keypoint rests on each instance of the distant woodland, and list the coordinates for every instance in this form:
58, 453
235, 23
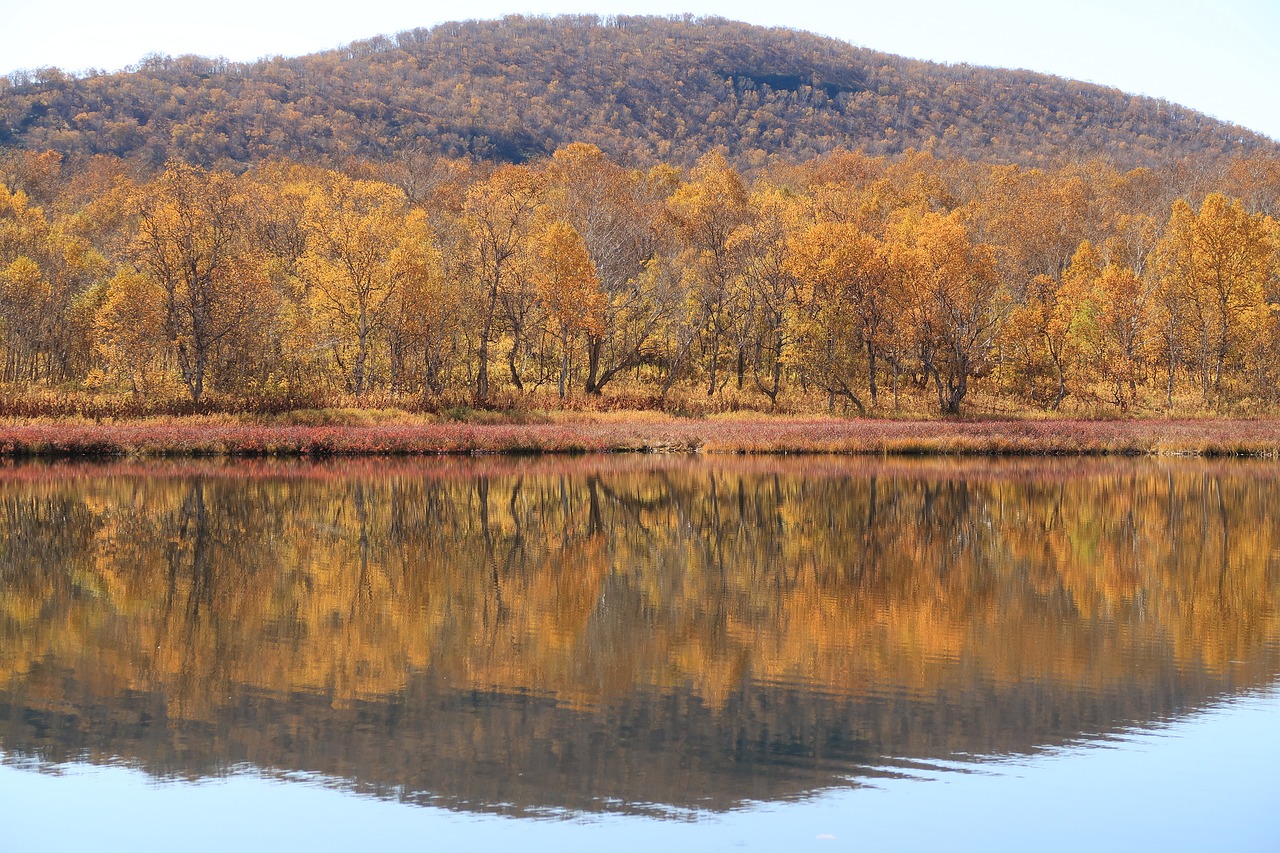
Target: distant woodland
642, 212
644, 90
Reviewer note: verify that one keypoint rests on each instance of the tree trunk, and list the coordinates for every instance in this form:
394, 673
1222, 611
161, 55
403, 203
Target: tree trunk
897, 373
563, 385
593, 384
511, 362
1062, 381
871, 372
358, 369
486, 329
715, 363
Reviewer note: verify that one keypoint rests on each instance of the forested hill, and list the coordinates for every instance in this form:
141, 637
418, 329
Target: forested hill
643, 89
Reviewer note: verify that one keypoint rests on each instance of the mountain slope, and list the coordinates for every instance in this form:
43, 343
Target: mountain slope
643, 89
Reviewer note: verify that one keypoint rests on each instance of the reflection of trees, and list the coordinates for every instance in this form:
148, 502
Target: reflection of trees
667, 630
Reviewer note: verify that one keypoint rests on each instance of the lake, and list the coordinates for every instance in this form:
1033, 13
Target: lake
630, 652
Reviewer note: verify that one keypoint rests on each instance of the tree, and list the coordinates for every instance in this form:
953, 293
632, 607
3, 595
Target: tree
501, 214
1114, 333
425, 332
1039, 341
707, 211
48, 275
1214, 265
569, 290
845, 280
953, 299
614, 212
363, 246
130, 331
191, 241
769, 285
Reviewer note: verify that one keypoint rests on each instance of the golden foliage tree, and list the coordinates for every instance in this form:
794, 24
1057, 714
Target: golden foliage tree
707, 211
954, 302
364, 247
501, 215
1215, 265
570, 292
846, 283
48, 275
192, 241
614, 210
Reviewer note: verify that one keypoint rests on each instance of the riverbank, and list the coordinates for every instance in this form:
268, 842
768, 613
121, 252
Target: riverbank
644, 433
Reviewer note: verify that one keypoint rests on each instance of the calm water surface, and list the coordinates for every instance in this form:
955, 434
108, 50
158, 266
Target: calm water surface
628, 652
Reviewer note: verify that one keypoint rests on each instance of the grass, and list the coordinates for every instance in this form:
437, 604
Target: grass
323, 433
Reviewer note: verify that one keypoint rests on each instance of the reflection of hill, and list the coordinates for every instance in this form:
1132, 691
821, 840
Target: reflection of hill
523, 634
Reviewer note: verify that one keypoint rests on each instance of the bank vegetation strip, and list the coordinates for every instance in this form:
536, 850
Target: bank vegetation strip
210, 437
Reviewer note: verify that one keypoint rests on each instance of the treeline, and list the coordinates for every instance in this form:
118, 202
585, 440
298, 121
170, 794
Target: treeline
851, 281
645, 90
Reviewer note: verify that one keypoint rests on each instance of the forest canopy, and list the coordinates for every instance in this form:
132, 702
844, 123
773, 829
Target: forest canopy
850, 281
643, 89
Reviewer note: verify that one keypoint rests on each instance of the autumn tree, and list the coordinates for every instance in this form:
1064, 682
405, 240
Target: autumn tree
48, 281
1114, 331
129, 332
1215, 264
769, 286
845, 281
1037, 340
191, 242
614, 211
428, 337
501, 214
363, 246
569, 290
707, 210
1037, 217
953, 299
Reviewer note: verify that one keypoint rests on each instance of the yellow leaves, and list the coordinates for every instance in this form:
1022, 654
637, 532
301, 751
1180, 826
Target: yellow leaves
13, 205
507, 200
711, 205
835, 261
45, 271
195, 239
567, 282
1214, 265
364, 252
1221, 248
654, 278
129, 327
501, 215
352, 228
943, 269
22, 282
578, 161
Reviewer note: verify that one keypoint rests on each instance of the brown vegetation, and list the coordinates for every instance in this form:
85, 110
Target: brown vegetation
644, 90
898, 287
651, 434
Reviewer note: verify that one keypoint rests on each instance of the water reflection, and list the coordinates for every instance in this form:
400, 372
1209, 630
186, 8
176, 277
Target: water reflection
620, 633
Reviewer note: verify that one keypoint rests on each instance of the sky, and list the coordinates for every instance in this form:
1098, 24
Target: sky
1221, 57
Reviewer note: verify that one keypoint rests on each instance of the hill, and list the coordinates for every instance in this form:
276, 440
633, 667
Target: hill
643, 89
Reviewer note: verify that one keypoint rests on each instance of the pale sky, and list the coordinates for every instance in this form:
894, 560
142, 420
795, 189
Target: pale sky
1221, 57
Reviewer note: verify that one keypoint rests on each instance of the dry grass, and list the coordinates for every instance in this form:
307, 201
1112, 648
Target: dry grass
367, 433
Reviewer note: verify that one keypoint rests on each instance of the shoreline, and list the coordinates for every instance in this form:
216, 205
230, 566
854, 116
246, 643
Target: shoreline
764, 435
